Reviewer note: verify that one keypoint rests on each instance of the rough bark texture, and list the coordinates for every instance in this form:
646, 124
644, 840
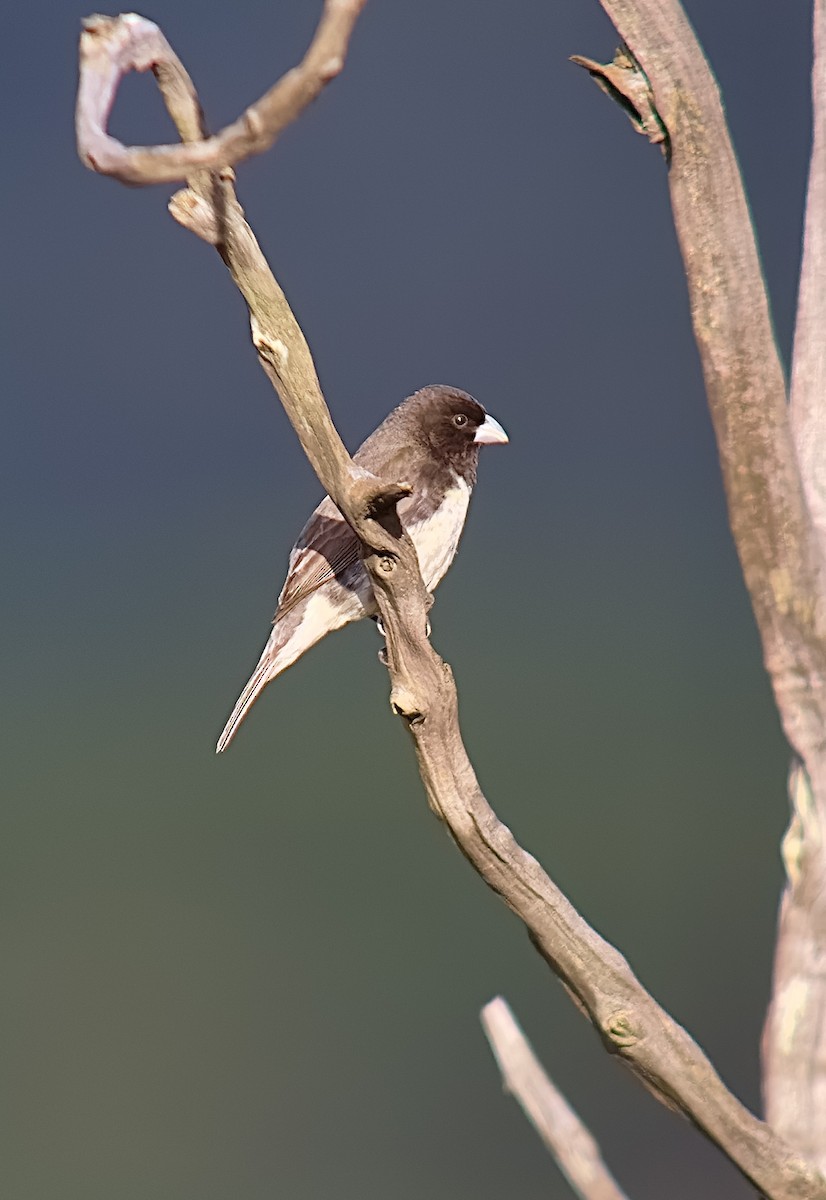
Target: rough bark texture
743, 374
794, 1040
794, 1053
775, 486
808, 386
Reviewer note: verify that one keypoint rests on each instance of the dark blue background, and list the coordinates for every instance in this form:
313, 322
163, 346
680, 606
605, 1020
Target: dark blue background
260, 975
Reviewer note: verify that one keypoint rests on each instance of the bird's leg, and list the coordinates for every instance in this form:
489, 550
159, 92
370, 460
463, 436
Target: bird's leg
427, 625
380, 627
383, 651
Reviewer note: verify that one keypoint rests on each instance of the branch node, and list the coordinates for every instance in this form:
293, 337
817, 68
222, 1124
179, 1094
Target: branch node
380, 501
95, 23
254, 124
405, 704
804, 836
195, 214
625, 82
271, 349
619, 1030
331, 68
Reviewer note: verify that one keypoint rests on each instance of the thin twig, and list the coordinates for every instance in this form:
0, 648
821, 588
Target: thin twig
569, 1141
794, 1038
629, 1021
110, 47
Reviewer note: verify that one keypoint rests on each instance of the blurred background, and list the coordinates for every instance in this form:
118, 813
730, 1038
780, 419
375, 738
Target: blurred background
260, 975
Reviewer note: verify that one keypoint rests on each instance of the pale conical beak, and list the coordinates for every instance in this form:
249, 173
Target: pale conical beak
490, 433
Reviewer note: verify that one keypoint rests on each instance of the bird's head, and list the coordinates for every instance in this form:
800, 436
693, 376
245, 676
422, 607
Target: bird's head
454, 424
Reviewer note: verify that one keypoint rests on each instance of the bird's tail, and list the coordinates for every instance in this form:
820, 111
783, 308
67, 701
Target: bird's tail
291, 636
284, 646
256, 683
293, 633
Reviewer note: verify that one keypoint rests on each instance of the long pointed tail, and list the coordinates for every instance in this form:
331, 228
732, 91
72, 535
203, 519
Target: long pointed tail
259, 679
292, 634
290, 637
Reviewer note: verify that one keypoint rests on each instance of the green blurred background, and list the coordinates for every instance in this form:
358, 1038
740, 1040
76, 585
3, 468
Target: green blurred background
260, 975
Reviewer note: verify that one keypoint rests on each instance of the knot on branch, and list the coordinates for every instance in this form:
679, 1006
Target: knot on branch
333, 67
271, 350
618, 1030
405, 703
197, 215
802, 843
97, 23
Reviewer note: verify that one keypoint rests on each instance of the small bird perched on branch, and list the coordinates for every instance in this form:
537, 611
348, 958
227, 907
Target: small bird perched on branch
432, 442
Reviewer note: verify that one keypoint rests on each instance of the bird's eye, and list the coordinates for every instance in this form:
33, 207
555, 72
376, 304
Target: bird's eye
459, 420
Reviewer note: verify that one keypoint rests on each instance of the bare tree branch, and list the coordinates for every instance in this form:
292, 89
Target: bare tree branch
423, 692
808, 388
794, 1038
210, 209
628, 1020
744, 379
775, 481
282, 349
111, 47
569, 1141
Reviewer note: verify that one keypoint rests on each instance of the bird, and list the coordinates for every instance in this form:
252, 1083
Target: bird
431, 442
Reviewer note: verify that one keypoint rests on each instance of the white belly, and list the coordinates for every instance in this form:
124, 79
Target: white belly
437, 538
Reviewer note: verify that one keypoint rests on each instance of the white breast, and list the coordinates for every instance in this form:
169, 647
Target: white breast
437, 538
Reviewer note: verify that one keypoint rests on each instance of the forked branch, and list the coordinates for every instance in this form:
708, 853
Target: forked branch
109, 48
628, 1020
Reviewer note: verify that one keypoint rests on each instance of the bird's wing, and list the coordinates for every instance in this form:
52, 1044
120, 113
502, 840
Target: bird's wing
327, 548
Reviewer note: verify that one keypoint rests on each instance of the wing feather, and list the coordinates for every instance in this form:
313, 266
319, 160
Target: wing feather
327, 548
